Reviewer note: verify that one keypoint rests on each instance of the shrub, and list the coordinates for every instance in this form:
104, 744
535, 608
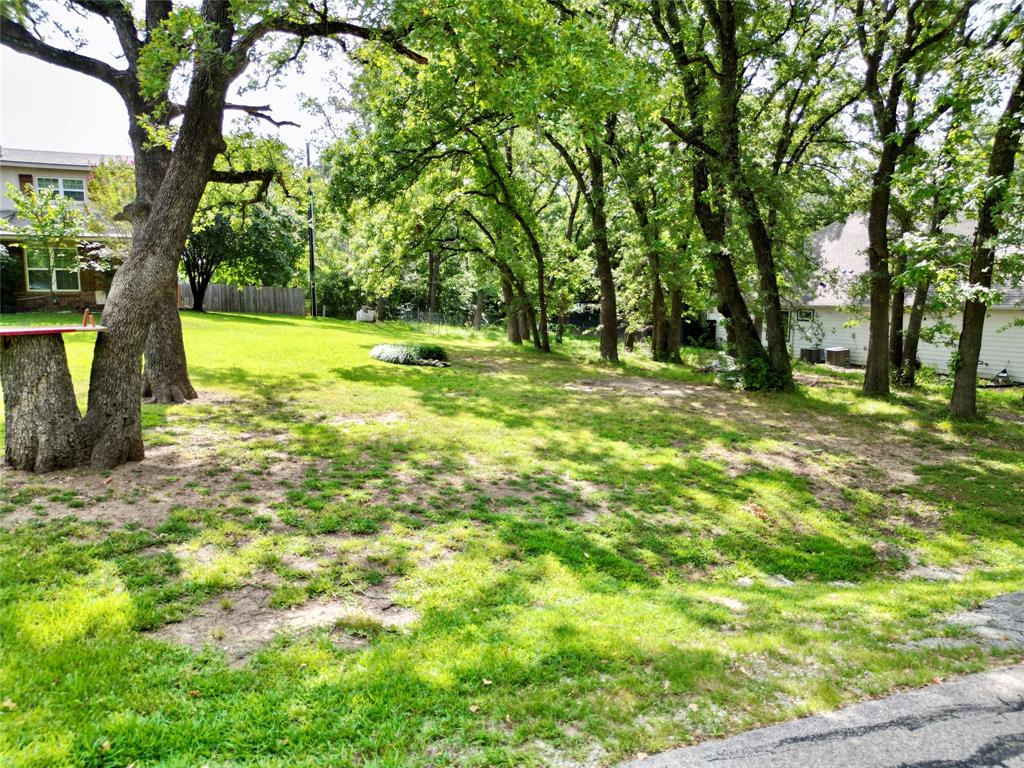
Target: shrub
411, 354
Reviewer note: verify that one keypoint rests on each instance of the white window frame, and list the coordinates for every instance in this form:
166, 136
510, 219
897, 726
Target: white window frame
805, 315
61, 189
51, 254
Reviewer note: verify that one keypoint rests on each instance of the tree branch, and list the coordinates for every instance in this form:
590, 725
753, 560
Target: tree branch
19, 39
689, 138
325, 27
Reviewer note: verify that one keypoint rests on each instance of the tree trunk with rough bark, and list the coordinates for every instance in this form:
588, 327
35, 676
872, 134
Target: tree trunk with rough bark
433, 277
907, 375
40, 409
165, 375
112, 428
780, 374
609, 339
512, 330
675, 325
1005, 145
897, 310
478, 310
876, 374
659, 331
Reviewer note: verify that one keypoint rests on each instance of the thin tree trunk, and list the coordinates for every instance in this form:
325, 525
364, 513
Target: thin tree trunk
1005, 145
609, 339
675, 325
40, 409
659, 340
433, 270
896, 315
478, 311
512, 329
165, 376
908, 365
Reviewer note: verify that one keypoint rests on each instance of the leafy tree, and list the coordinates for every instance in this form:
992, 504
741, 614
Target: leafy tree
205, 49
55, 225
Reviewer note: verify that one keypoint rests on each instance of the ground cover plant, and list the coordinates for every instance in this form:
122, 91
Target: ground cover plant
524, 559
411, 354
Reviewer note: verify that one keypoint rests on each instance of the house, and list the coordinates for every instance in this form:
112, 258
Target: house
39, 280
828, 310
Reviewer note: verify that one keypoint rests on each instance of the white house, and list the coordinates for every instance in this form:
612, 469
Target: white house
841, 251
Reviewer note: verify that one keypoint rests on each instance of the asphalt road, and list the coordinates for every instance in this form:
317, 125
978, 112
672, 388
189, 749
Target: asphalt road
972, 722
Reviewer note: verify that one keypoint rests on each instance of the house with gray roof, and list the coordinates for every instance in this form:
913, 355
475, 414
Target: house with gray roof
830, 310
65, 278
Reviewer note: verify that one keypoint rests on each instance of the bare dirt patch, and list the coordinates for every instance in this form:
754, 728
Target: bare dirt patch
829, 452
241, 622
200, 468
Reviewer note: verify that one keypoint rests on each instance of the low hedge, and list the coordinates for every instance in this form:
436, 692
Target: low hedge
411, 354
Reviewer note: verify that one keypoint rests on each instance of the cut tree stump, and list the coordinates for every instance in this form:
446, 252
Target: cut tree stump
41, 411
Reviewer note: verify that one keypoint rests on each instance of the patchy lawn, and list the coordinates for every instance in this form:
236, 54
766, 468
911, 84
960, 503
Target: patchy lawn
518, 560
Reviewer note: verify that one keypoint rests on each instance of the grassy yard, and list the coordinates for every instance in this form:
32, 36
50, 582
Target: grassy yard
518, 560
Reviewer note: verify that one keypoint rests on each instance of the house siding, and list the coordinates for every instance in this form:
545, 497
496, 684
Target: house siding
93, 288
11, 174
1002, 342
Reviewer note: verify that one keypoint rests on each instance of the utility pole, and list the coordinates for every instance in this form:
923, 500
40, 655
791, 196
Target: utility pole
312, 249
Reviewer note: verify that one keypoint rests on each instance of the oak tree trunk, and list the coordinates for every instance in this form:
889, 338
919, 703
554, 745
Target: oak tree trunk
609, 338
908, 365
675, 325
112, 428
896, 315
40, 409
1005, 145
512, 330
876, 375
478, 311
165, 375
659, 340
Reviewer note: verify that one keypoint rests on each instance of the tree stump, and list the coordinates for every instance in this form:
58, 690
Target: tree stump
42, 416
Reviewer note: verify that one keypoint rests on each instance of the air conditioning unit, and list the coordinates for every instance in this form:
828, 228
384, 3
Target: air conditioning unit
839, 356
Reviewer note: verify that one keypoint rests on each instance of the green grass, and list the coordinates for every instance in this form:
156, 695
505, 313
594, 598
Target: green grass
568, 540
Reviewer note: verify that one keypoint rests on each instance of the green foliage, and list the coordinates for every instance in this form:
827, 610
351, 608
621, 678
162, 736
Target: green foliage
411, 354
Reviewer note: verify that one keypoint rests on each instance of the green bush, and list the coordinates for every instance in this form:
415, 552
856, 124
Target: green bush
411, 354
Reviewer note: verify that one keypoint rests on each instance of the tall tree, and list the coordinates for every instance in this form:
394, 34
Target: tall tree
209, 46
902, 46
1005, 146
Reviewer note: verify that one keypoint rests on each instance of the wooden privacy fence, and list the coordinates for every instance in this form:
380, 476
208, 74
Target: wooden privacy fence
269, 300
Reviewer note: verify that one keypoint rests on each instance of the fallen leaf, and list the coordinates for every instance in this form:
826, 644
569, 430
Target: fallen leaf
105, 746
9, 705
667, 684
474, 708
486, 681
108, 480
195, 694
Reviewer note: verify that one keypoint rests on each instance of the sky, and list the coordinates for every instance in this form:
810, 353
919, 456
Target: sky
46, 107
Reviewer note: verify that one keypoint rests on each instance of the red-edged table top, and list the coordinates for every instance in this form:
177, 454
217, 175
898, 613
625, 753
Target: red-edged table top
47, 330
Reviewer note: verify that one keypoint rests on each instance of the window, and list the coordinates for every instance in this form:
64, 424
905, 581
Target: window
73, 189
804, 315
59, 273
